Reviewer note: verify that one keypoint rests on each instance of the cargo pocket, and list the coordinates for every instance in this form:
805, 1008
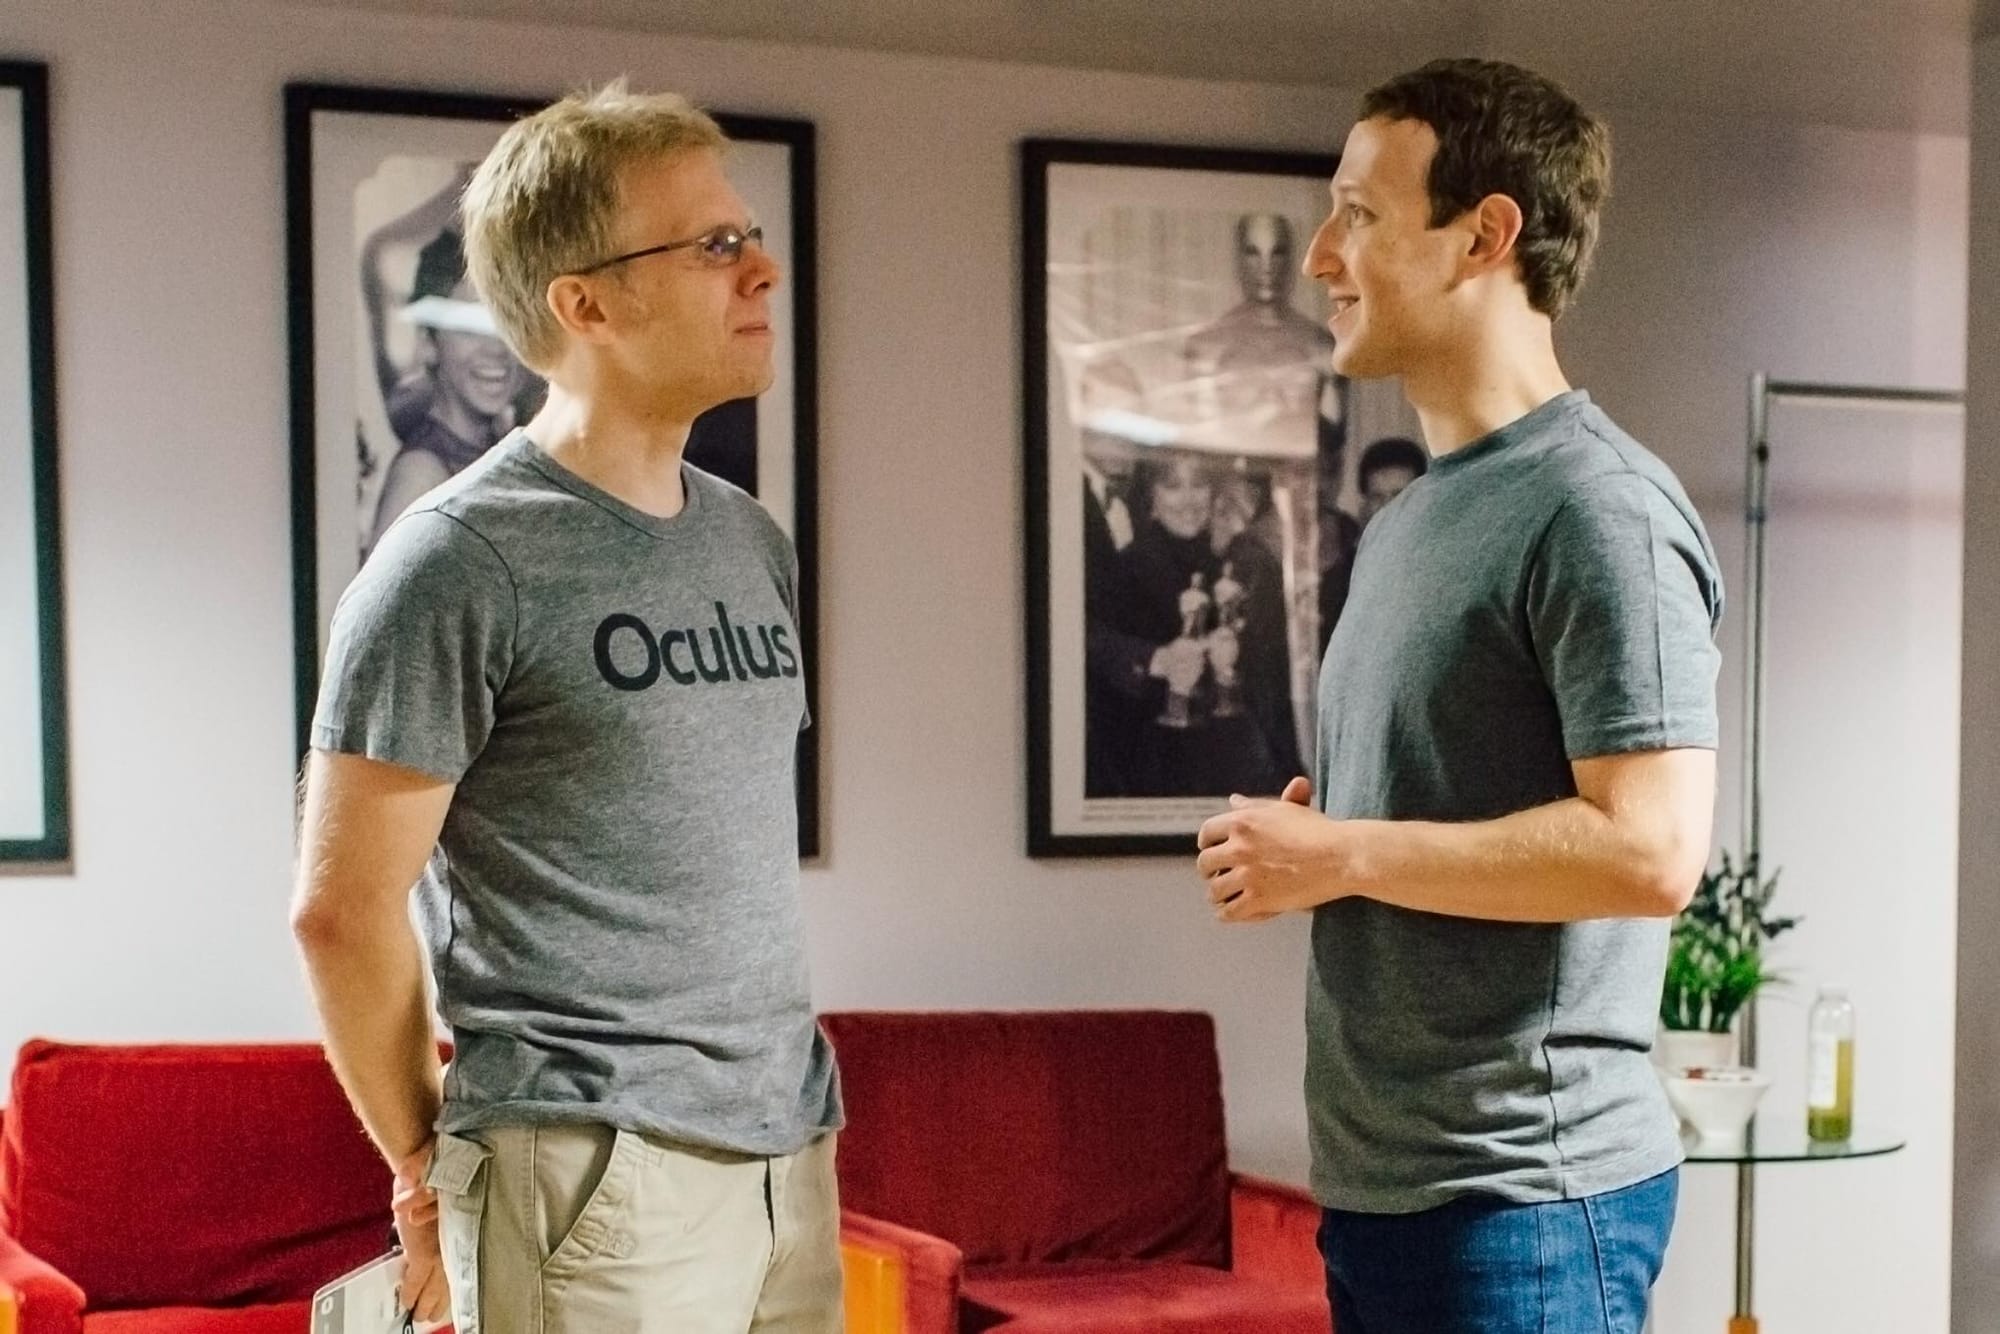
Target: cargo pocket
458, 1174
602, 1220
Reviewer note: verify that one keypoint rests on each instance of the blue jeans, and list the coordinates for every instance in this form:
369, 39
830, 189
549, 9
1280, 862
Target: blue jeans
1486, 1266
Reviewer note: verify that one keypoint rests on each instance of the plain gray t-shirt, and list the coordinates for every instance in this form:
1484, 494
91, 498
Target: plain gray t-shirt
1542, 595
612, 911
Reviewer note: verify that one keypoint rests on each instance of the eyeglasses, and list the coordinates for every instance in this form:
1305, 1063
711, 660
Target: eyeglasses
719, 248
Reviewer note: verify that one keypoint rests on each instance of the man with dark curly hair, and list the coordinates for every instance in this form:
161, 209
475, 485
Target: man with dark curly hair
1515, 776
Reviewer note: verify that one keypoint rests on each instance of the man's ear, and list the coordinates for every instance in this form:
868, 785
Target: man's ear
574, 303
1494, 228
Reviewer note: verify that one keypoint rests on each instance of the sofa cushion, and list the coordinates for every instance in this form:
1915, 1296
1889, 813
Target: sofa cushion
1026, 1137
284, 1318
1133, 1298
189, 1175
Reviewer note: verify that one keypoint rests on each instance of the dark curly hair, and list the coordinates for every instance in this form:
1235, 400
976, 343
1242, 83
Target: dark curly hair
1505, 130
1392, 451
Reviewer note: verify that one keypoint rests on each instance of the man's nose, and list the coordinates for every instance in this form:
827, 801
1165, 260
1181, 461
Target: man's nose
1322, 255
760, 268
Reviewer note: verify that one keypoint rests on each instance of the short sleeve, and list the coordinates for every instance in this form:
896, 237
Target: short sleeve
421, 644
1623, 601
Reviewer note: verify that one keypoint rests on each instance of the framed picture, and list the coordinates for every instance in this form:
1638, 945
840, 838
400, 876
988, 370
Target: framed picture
1196, 482
399, 378
34, 728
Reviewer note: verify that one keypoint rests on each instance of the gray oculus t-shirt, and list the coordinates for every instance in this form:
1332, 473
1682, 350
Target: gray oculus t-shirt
612, 911
1544, 594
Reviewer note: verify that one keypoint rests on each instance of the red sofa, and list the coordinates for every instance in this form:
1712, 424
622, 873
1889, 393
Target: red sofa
181, 1189
1014, 1172
1058, 1173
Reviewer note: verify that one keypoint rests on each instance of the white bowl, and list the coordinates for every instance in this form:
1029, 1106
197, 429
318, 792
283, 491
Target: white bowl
1717, 1100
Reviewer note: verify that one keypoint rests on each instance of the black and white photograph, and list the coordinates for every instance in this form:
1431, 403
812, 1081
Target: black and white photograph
34, 765
400, 378
1198, 482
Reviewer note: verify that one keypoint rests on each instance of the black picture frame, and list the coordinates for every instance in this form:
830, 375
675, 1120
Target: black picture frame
451, 124
1086, 341
42, 839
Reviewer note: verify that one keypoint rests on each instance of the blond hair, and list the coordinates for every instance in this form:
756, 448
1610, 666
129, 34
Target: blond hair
543, 202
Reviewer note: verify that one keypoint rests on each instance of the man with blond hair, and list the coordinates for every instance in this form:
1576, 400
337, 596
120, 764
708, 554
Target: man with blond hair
563, 698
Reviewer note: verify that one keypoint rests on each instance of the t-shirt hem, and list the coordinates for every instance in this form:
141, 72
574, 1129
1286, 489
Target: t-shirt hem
457, 1119
1639, 734
356, 741
1534, 1186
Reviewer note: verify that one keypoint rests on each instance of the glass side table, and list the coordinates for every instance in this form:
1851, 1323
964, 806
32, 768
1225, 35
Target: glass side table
1773, 1138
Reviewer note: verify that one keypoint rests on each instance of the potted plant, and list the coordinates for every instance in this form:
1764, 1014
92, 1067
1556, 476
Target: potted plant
1716, 963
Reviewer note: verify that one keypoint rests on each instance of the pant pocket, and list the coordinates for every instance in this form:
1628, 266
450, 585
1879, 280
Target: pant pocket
602, 1223
458, 1173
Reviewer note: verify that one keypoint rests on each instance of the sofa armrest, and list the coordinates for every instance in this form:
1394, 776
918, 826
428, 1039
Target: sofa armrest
899, 1280
1274, 1234
39, 1299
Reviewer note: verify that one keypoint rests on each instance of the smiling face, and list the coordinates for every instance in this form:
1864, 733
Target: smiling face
1388, 272
1182, 498
476, 371
691, 327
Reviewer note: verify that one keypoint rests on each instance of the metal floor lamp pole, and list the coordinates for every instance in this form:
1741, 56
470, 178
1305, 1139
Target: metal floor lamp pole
1763, 390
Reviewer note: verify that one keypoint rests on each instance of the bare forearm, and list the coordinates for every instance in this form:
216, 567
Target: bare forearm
368, 986
1568, 861
1631, 843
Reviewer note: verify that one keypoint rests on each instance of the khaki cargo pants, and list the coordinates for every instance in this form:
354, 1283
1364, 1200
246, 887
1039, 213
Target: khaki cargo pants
590, 1230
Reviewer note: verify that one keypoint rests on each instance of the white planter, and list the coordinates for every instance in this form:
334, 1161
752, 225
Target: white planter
1677, 1050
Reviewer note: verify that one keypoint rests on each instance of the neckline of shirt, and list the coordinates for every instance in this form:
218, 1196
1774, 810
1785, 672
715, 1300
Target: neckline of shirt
582, 488
1523, 426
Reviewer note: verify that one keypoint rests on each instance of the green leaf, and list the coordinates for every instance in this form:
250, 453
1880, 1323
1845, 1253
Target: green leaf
1715, 954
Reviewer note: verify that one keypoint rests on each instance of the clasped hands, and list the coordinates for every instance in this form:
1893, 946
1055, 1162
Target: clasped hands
1264, 857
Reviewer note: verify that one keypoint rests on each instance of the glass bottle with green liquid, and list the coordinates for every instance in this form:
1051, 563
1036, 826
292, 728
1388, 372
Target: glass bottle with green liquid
1830, 1067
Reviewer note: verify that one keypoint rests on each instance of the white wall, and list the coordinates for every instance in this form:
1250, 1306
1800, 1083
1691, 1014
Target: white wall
1820, 255
1730, 248
1976, 1231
